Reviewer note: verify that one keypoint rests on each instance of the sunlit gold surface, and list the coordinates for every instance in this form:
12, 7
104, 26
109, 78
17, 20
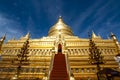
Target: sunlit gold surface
60, 26
41, 50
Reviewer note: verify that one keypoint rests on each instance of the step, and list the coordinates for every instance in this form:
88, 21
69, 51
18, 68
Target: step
59, 71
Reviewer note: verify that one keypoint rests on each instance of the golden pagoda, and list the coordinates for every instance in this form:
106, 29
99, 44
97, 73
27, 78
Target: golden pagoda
32, 59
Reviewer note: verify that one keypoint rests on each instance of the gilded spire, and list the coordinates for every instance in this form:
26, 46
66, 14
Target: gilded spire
60, 20
1, 41
116, 42
93, 35
60, 26
112, 34
3, 38
27, 35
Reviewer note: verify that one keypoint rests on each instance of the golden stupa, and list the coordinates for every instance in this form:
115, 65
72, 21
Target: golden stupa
60, 28
32, 59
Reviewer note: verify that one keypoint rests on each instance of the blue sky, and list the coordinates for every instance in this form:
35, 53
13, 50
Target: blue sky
17, 17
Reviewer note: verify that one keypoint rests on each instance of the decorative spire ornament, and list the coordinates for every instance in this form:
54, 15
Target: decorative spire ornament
1, 43
117, 57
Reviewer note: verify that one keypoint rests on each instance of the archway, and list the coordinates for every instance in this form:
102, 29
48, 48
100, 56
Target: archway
59, 48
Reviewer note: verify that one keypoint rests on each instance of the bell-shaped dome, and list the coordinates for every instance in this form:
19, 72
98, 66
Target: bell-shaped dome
60, 28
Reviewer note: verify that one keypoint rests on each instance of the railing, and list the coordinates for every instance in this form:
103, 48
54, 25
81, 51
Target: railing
51, 65
68, 65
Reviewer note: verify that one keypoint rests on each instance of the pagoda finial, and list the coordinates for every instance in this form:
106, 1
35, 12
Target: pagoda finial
3, 38
27, 35
60, 20
93, 35
112, 34
60, 16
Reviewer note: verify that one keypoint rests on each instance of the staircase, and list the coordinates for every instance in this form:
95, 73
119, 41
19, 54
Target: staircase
59, 71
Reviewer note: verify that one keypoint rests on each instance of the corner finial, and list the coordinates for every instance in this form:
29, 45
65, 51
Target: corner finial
112, 34
2, 39
28, 35
93, 35
4, 36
